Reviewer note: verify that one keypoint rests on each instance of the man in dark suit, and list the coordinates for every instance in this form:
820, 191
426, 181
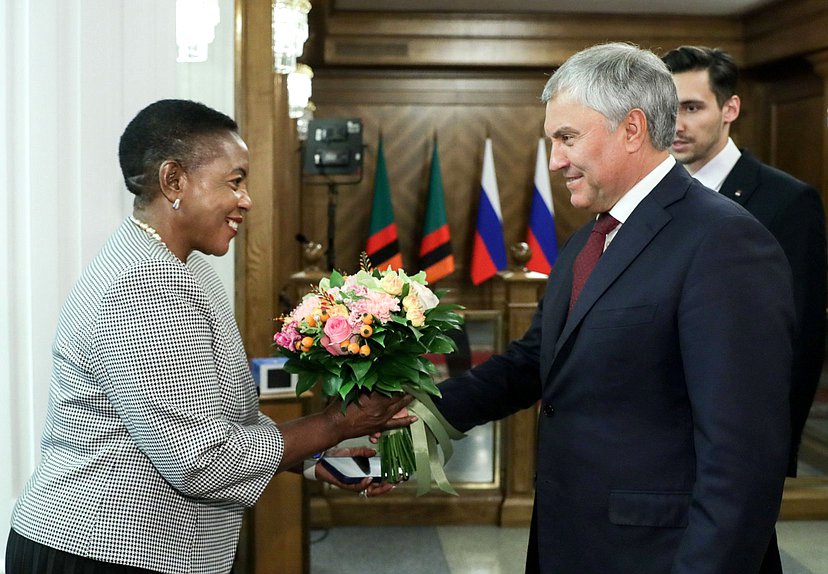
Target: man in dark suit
791, 210
663, 427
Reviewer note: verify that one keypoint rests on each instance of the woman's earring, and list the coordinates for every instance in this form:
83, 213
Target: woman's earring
177, 203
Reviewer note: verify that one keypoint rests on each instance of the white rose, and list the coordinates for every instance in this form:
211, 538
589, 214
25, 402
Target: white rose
411, 301
392, 284
427, 298
416, 316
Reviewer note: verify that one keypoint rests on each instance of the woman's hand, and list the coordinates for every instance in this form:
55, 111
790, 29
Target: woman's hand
373, 412
403, 413
314, 433
366, 488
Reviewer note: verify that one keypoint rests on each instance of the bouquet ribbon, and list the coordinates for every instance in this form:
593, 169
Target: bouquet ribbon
429, 431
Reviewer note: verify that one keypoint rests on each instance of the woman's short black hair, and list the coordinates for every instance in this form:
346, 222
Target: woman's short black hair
168, 130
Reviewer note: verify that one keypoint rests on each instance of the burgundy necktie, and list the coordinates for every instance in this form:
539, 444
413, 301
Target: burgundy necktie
589, 255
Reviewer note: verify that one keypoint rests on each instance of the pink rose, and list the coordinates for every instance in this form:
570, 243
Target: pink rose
337, 329
334, 349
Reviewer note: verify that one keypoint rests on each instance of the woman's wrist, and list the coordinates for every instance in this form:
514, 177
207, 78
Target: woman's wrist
334, 418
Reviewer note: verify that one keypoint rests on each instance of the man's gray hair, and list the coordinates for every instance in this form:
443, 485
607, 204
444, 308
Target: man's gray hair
614, 79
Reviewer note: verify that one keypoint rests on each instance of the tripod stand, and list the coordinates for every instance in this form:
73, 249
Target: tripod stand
333, 195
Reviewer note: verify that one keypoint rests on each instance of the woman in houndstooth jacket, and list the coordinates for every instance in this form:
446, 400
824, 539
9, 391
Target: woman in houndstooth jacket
153, 443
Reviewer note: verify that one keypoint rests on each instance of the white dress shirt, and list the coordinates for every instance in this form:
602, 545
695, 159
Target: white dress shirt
630, 200
713, 173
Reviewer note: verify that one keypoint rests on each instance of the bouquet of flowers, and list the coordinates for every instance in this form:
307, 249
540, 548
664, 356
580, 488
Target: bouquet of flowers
369, 332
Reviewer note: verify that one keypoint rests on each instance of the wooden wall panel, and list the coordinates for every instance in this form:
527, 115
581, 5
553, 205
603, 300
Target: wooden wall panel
461, 130
785, 29
783, 113
820, 64
266, 252
796, 126
512, 40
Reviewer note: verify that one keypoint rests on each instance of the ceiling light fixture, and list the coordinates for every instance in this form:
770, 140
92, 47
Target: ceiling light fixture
290, 31
299, 85
195, 28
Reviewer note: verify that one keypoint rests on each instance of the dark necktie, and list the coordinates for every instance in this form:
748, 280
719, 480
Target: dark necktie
588, 257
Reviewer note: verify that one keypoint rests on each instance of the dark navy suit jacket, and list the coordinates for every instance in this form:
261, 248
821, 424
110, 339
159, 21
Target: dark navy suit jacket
663, 430
792, 211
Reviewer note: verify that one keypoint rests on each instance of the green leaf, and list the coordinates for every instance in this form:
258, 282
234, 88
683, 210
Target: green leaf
426, 366
400, 370
443, 317
388, 386
336, 279
445, 307
360, 368
351, 397
427, 384
419, 278
346, 388
444, 313
306, 382
442, 344
332, 365
369, 381
293, 366
331, 384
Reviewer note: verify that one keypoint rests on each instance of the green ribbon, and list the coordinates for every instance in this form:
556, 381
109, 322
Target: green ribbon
430, 431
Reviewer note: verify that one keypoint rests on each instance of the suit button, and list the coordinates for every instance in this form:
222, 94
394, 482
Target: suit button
548, 410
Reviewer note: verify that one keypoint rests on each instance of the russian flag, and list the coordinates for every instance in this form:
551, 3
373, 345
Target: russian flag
489, 251
541, 234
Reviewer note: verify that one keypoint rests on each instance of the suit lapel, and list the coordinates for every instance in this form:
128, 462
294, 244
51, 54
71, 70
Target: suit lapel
559, 289
742, 180
644, 223
556, 296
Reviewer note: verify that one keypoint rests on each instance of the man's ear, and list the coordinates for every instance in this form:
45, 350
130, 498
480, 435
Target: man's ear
730, 109
635, 129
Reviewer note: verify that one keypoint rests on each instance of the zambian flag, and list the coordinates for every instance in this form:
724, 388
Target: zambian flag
436, 257
383, 248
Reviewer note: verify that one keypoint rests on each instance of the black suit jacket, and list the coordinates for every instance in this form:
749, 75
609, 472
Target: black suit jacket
664, 429
793, 212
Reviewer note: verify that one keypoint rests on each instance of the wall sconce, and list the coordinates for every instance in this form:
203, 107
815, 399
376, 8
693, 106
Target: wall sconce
290, 31
195, 28
299, 85
304, 120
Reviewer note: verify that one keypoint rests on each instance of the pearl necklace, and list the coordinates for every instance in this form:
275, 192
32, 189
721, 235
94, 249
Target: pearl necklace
147, 228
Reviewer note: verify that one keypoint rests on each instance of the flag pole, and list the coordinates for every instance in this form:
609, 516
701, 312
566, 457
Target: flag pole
333, 193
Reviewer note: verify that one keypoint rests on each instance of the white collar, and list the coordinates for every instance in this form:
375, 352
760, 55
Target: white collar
630, 200
713, 173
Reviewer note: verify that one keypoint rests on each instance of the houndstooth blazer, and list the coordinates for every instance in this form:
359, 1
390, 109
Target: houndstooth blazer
153, 443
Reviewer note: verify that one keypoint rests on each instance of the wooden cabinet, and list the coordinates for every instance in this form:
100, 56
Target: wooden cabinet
521, 292
275, 537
